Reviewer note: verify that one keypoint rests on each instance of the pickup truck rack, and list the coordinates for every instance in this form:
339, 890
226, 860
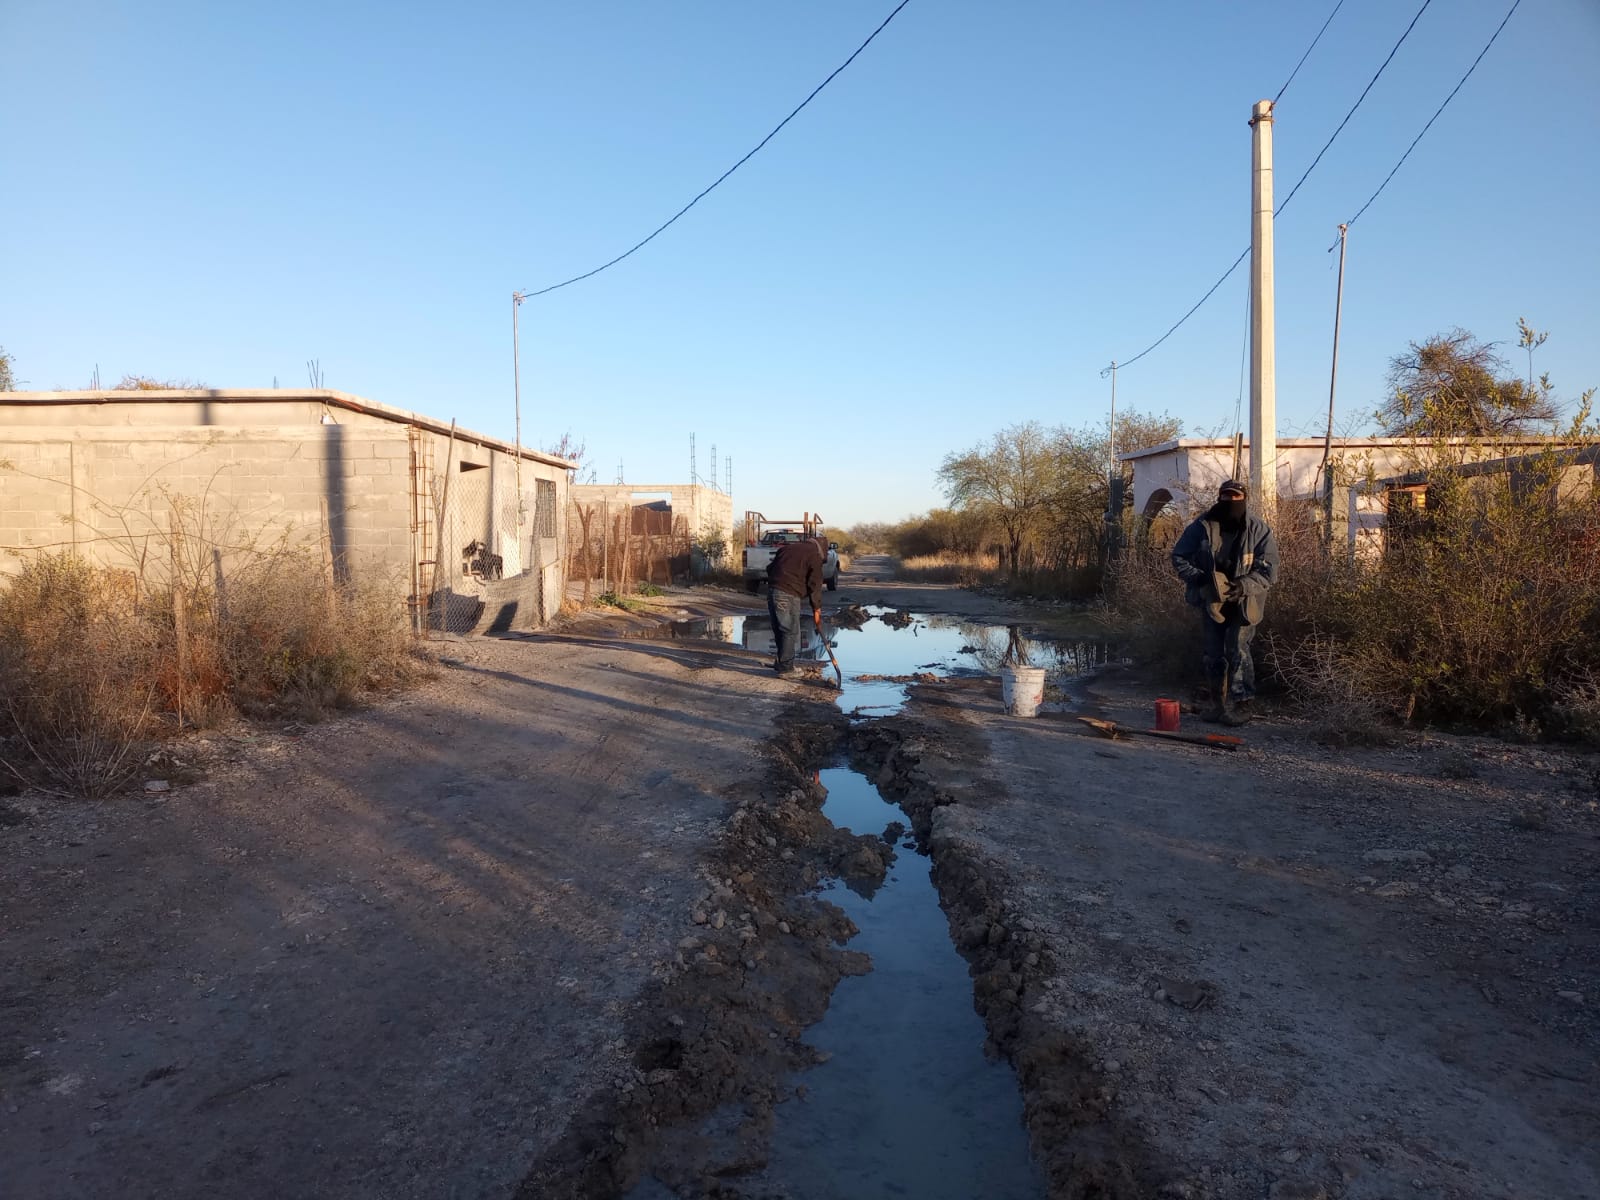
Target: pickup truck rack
762, 533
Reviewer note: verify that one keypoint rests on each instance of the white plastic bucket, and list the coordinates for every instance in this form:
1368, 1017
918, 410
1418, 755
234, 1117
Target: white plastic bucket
1022, 689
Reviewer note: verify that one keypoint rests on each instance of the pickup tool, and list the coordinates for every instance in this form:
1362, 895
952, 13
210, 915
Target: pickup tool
829, 647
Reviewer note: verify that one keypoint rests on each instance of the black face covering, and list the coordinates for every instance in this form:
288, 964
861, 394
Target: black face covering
1229, 513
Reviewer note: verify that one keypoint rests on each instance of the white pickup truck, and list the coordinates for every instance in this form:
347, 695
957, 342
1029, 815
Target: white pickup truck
763, 537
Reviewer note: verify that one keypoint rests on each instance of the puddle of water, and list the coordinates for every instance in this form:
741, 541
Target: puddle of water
908, 1105
940, 645
697, 629
891, 643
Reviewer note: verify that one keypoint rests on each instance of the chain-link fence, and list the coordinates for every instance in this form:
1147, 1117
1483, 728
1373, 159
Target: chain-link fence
494, 567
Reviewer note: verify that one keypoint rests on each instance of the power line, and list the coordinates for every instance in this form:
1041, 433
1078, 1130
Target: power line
1129, 362
1307, 54
1285, 202
662, 228
1435, 116
1353, 108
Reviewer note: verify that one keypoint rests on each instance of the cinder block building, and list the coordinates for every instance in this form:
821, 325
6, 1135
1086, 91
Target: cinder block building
467, 527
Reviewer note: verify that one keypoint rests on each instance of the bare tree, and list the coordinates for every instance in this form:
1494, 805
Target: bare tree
1010, 480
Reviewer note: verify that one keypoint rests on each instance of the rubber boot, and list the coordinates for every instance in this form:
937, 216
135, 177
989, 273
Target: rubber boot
1216, 695
1229, 714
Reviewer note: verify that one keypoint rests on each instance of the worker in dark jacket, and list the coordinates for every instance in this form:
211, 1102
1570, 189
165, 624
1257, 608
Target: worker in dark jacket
793, 576
1228, 560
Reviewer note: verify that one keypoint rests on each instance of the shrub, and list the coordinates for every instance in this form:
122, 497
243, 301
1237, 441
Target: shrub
94, 663
1482, 608
78, 673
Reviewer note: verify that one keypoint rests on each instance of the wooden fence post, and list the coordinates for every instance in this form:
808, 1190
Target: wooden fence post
180, 615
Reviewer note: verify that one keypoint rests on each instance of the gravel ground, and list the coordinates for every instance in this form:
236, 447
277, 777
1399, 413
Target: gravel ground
1294, 971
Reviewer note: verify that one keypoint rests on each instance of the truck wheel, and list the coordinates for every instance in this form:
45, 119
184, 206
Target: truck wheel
833, 584
752, 586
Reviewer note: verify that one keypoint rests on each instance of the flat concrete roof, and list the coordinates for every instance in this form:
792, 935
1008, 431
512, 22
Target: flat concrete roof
328, 396
1308, 443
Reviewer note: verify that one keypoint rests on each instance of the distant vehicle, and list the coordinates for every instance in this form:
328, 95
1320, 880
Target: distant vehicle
763, 537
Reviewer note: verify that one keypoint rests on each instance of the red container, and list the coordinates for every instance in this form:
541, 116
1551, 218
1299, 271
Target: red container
1167, 716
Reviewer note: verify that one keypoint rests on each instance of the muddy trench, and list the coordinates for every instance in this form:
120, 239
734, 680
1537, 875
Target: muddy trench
723, 1092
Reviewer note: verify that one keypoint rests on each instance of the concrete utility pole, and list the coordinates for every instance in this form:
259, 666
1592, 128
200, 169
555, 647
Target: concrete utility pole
1263, 335
1111, 447
1333, 373
516, 399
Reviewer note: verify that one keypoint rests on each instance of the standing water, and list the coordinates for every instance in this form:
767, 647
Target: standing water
907, 1104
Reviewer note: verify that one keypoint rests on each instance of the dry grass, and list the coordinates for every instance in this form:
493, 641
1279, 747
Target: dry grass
1483, 611
97, 663
949, 566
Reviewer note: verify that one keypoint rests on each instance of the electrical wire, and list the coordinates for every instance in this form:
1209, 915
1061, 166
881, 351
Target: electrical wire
1244, 357
1435, 117
1285, 202
662, 228
1245, 253
1307, 54
1353, 107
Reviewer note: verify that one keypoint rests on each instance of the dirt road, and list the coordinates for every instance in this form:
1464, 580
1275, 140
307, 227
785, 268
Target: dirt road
385, 956
549, 925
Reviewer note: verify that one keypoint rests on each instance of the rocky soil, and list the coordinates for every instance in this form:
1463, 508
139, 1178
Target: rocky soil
1289, 971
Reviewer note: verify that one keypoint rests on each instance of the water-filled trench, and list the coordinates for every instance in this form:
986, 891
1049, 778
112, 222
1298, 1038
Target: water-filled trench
906, 1103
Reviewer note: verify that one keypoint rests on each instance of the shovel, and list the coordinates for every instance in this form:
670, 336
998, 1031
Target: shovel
817, 614
1111, 729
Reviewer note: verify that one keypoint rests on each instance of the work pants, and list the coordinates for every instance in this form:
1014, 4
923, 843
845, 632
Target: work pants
1225, 646
786, 610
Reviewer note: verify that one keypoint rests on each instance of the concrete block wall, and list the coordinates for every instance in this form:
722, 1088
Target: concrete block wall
101, 472
110, 493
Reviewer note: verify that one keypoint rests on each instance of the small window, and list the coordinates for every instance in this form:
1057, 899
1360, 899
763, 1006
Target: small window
545, 509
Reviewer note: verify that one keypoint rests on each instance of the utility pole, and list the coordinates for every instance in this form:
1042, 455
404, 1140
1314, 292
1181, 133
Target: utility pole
1325, 473
1324, 478
516, 399
694, 476
1263, 354
1111, 445
1113, 476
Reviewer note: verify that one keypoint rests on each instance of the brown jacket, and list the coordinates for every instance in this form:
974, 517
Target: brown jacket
796, 568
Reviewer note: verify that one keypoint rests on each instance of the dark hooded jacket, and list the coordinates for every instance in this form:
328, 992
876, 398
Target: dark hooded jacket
1205, 544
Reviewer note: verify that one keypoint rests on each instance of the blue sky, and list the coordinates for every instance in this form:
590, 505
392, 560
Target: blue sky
995, 200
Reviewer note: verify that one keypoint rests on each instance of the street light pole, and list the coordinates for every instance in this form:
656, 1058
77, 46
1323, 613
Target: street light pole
516, 393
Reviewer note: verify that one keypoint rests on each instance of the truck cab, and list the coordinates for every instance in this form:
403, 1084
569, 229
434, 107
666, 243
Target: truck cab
763, 537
